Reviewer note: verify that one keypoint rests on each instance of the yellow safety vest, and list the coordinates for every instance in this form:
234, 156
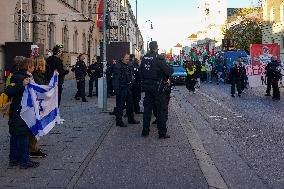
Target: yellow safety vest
203, 68
190, 72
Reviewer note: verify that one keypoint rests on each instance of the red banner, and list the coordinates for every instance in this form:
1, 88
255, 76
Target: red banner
100, 14
261, 54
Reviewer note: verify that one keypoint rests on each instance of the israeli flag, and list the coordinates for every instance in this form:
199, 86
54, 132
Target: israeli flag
40, 107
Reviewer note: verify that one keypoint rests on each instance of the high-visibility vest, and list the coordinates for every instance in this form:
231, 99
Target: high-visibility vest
203, 68
190, 72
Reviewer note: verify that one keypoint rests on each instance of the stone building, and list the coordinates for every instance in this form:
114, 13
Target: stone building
273, 26
51, 22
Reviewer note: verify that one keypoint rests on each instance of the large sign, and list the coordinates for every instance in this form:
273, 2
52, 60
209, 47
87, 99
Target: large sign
261, 55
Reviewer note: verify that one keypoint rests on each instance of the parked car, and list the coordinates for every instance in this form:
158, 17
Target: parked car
179, 75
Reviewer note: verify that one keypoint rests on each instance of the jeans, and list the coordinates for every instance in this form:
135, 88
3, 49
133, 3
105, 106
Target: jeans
219, 77
91, 85
209, 76
19, 149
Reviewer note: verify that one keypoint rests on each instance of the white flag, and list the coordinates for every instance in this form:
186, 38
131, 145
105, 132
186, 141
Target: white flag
40, 107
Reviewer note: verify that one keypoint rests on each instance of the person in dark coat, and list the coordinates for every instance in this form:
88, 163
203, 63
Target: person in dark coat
95, 71
122, 83
235, 78
80, 70
136, 87
18, 129
55, 63
155, 74
273, 74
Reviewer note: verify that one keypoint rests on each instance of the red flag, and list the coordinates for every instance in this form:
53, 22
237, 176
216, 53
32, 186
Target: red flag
100, 14
207, 48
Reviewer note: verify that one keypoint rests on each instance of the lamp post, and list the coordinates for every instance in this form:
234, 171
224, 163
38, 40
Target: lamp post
151, 26
21, 37
104, 57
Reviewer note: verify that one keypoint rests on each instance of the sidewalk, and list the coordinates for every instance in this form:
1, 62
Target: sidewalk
88, 151
67, 145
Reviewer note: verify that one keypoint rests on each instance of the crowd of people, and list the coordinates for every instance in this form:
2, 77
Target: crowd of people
205, 70
127, 78
37, 69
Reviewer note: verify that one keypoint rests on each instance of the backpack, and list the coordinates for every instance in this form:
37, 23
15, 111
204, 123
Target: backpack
5, 104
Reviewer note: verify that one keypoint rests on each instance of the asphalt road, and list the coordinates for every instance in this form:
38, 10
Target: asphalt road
243, 136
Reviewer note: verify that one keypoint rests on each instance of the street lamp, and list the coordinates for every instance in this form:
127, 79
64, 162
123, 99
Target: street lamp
151, 26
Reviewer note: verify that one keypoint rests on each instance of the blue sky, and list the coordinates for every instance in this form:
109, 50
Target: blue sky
172, 20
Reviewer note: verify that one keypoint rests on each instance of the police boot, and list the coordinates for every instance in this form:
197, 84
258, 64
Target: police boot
121, 124
133, 121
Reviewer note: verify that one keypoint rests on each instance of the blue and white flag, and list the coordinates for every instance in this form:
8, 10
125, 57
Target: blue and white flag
40, 107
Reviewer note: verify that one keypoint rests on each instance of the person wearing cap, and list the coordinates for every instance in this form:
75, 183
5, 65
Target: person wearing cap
155, 74
55, 63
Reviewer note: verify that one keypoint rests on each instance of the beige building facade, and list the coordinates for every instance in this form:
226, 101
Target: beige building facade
50, 22
273, 27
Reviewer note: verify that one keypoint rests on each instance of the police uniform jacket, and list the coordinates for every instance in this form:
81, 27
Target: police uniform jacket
153, 69
80, 70
122, 76
98, 68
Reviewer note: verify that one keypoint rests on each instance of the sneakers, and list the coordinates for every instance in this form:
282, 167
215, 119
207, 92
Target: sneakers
84, 100
90, 95
38, 154
60, 121
233, 96
30, 164
77, 98
154, 122
267, 94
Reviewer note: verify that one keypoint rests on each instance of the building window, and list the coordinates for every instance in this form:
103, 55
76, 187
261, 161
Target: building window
51, 35
83, 6
272, 40
65, 38
75, 42
84, 44
282, 12
24, 31
282, 42
75, 4
272, 14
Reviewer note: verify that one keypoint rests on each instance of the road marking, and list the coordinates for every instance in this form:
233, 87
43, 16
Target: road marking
210, 171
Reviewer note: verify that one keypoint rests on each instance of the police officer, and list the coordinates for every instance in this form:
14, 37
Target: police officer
136, 87
273, 73
155, 73
122, 83
190, 78
235, 77
80, 70
95, 71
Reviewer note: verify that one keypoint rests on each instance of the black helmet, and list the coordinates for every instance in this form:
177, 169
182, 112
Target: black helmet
153, 45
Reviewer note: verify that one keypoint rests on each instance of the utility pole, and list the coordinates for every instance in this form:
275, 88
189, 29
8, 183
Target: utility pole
104, 57
21, 37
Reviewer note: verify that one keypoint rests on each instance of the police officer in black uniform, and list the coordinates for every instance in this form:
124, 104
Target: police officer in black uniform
80, 70
122, 83
273, 73
136, 87
155, 73
95, 71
